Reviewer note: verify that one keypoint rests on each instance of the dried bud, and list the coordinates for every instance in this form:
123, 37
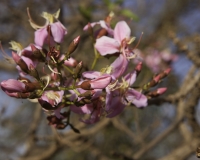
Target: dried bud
73, 45
23, 95
87, 94
30, 87
37, 53
78, 69
86, 85
102, 32
53, 120
82, 102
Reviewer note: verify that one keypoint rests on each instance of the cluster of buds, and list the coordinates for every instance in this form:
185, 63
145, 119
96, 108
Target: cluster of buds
62, 81
156, 60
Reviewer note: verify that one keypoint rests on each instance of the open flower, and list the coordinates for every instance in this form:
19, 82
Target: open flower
106, 45
51, 32
118, 44
120, 94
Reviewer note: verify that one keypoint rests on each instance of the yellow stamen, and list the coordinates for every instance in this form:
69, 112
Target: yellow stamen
16, 46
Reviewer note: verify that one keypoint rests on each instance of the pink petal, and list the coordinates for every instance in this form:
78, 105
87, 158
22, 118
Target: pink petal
106, 45
105, 26
40, 36
121, 31
92, 25
130, 77
86, 109
113, 104
100, 82
137, 98
119, 66
91, 74
58, 31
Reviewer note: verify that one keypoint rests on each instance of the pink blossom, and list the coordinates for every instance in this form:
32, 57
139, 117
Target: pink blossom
106, 45
120, 95
51, 97
57, 34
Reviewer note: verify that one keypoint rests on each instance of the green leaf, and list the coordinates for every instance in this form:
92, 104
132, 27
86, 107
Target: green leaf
85, 12
128, 13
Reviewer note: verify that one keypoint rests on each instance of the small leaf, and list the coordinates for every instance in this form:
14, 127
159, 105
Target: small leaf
129, 14
85, 12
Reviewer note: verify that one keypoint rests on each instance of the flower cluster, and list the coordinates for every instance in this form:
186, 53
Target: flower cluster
60, 84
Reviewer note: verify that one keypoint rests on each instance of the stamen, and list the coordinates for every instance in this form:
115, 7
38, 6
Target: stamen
53, 59
48, 80
33, 24
138, 41
5, 55
53, 70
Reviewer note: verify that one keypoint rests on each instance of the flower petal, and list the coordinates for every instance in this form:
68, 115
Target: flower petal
130, 77
58, 31
106, 45
121, 31
119, 66
113, 104
137, 98
91, 74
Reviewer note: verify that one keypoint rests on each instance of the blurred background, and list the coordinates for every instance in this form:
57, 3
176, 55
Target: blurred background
167, 129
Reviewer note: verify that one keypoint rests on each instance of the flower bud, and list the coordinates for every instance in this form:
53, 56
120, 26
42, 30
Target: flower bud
30, 87
157, 92
73, 45
37, 53
165, 73
20, 62
71, 62
33, 72
12, 85
86, 85
78, 69
152, 83
138, 68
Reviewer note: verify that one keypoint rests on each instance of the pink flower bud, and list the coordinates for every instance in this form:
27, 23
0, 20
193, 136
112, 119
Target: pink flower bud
98, 83
73, 45
167, 71
71, 62
12, 85
138, 67
16, 57
157, 78
161, 90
